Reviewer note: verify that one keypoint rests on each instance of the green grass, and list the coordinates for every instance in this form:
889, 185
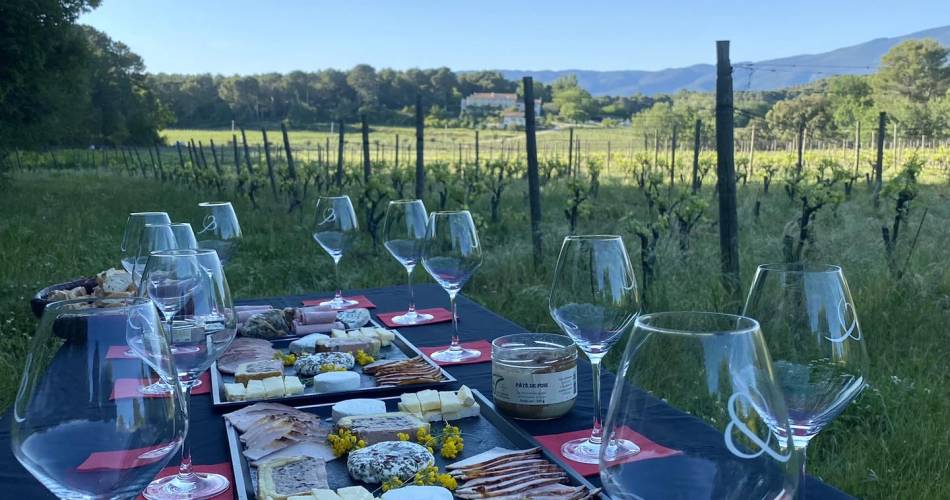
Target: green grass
892, 442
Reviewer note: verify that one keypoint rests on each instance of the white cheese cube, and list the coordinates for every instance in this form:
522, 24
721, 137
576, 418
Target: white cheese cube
322, 494
410, 403
301, 497
429, 399
354, 493
449, 401
385, 336
255, 390
465, 396
234, 392
369, 331
337, 334
274, 387
292, 386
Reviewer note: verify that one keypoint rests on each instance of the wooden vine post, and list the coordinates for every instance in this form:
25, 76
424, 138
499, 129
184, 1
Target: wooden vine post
696, 138
801, 148
158, 158
339, 156
420, 145
570, 152
534, 186
237, 156
879, 163
367, 165
247, 154
669, 194
270, 165
295, 201
726, 170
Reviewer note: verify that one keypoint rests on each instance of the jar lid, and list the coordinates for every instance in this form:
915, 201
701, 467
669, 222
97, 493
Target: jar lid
537, 348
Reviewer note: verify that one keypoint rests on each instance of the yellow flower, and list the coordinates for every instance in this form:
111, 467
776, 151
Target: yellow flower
403, 436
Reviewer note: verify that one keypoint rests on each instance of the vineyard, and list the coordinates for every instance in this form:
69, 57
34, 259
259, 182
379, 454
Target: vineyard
891, 241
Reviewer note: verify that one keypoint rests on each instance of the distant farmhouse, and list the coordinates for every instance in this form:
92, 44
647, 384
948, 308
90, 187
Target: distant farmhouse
507, 106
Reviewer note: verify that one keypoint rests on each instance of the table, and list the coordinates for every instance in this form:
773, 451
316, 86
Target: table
209, 445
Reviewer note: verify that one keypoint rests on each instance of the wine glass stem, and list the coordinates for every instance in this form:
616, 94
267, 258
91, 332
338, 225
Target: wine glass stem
336, 274
412, 298
597, 430
801, 476
455, 322
184, 468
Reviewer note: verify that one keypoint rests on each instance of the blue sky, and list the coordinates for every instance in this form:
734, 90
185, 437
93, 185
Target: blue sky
244, 36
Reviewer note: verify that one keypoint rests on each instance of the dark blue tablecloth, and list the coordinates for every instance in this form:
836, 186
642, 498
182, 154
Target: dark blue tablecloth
209, 445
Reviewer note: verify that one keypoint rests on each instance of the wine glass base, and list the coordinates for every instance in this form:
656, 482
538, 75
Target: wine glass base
413, 318
455, 355
191, 487
585, 451
339, 304
159, 388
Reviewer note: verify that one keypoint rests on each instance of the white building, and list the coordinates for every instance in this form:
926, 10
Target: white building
497, 101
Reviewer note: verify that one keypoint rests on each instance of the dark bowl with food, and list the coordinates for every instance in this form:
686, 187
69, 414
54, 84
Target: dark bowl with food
40, 300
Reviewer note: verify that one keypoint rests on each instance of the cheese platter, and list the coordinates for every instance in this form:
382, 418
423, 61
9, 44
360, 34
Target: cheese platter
341, 364
424, 445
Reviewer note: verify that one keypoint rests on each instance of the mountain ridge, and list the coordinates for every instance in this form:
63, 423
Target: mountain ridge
770, 74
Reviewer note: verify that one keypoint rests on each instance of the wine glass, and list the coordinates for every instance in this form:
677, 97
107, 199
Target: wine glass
702, 386
220, 229
811, 329
594, 299
67, 429
334, 230
152, 238
133, 228
192, 284
404, 232
184, 235
451, 254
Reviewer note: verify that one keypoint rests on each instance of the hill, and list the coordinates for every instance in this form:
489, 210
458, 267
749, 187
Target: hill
765, 75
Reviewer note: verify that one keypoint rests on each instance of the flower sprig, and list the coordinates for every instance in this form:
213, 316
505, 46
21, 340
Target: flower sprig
430, 476
343, 441
330, 367
362, 358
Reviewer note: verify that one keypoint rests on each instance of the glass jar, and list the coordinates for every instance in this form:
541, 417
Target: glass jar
534, 375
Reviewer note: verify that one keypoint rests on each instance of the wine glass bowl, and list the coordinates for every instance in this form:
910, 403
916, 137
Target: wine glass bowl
451, 254
220, 229
133, 229
594, 299
184, 235
70, 429
335, 227
701, 385
811, 328
404, 232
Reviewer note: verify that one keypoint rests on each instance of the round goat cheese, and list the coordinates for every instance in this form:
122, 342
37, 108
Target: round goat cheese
336, 382
352, 407
376, 463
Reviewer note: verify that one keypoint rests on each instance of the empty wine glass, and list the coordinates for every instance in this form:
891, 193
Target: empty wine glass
700, 385
69, 428
334, 230
203, 327
811, 329
404, 232
594, 299
133, 228
152, 238
220, 230
184, 235
451, 254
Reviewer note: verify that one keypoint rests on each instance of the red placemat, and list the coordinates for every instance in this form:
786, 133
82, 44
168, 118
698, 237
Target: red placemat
120, 352
648, 449
482, 345
224, 469
129, 387
439, 315
120, 459
361, 301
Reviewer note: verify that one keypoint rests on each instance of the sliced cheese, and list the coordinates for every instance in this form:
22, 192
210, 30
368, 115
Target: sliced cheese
322, 494
369, 331
352, 407
410, 403
354, 493
274, 387
337, 333
449, 401
255, 390
429, 399
386, 336
234, 392
292, 386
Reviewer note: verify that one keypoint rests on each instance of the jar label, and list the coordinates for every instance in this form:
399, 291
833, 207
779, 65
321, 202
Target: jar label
519, 386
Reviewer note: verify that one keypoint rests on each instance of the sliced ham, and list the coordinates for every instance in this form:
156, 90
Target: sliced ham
508, 489
492, 456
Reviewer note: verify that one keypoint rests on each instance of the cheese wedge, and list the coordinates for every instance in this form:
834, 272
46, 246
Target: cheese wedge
429, 399
322, 494
354, 493
410, 403
465, 396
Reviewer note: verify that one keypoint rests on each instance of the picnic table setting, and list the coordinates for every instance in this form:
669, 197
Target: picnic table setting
151, 381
